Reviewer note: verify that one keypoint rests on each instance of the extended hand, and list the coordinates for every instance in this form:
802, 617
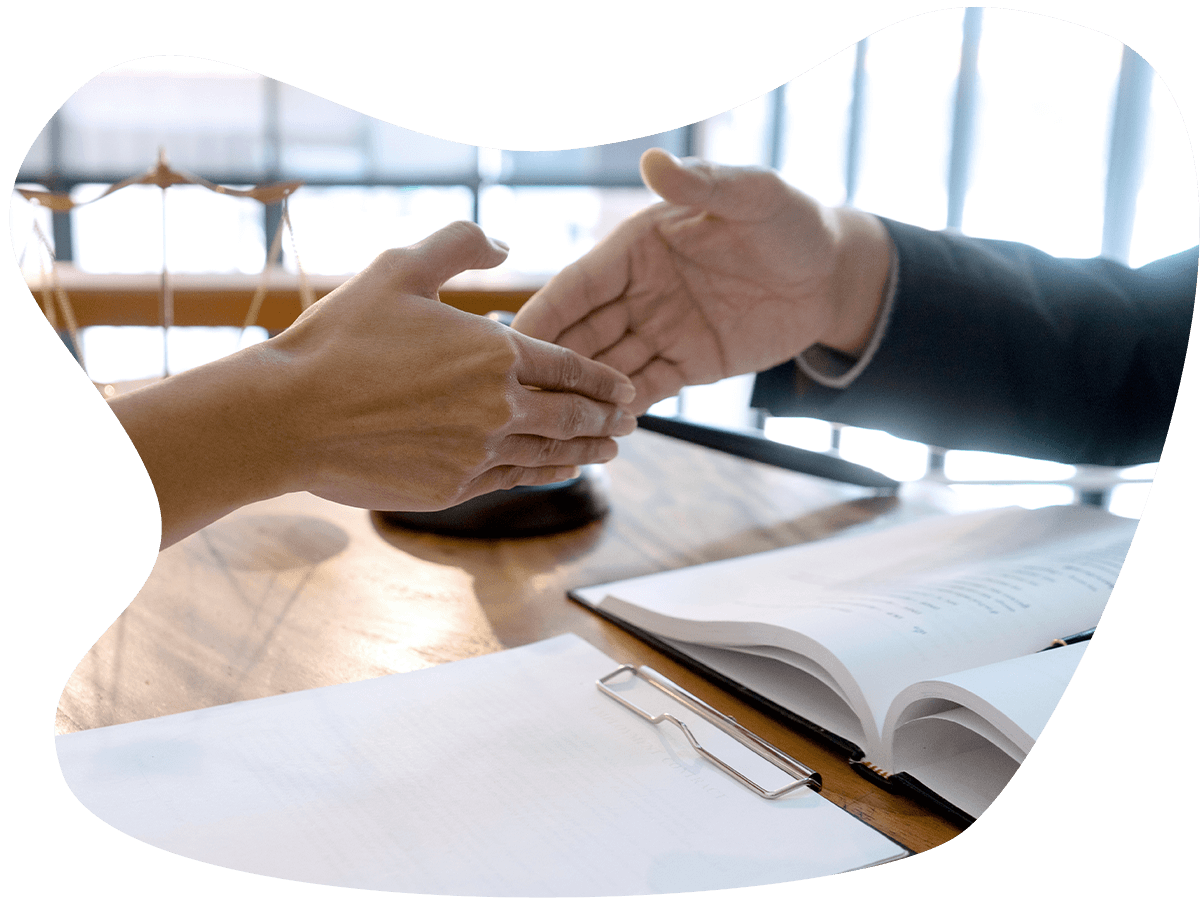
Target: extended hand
734, 273
404, 403
378, 396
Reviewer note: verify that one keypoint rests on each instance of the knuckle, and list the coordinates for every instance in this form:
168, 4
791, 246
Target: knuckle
495, 399
469, 230
496, 409
619, 422
504, 411
393, 265
392, 259
471, 239
575, 418
570, 370
509, 349
546, 452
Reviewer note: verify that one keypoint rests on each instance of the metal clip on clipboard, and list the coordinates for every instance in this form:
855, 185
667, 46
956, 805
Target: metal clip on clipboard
805, 777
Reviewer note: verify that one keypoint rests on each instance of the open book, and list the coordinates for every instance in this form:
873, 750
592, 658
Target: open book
921, 649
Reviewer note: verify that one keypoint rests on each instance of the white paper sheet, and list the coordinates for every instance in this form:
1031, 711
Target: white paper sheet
508, 774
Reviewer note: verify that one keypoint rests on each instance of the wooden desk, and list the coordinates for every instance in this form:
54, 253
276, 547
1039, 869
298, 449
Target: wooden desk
298, 593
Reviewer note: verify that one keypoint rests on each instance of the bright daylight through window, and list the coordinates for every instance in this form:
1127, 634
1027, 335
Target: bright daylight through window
968, 119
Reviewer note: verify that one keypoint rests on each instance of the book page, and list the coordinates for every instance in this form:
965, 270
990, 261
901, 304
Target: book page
1014, 696
886, 609
503, 775
971, 779
794, 689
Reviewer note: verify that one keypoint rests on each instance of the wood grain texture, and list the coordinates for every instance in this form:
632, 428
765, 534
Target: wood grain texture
298, 592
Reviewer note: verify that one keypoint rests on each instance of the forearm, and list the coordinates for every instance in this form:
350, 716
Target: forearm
996, 346
213, 438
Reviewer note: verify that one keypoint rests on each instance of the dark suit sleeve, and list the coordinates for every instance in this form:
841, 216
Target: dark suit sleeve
996, 346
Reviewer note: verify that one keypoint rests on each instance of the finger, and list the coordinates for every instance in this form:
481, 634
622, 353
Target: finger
425, 266
541, 316
531, 451
597, 278
645, 327
599, 331
563, 416
666, 175
657, 380
738, 193
553, 368
628, 355
501, 478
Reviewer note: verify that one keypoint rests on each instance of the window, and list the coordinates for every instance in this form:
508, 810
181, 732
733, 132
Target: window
1044, 128
1000, 123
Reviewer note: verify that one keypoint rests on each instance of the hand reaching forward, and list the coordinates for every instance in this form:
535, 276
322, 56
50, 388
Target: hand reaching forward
378, 396
735, 272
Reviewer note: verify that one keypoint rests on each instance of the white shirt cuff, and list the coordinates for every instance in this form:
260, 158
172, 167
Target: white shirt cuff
834, 369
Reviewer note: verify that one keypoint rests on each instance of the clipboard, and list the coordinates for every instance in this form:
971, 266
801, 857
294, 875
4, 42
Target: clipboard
893, 783
801, 776
380, 785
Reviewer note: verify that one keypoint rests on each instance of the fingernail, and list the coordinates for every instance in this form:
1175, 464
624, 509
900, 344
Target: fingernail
625, 394
625, 425
499, 243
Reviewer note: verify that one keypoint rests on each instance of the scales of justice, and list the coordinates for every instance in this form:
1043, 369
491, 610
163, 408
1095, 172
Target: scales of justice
56, 304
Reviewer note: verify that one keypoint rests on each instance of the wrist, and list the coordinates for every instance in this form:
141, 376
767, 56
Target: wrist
260, 392
862, 257
211, 438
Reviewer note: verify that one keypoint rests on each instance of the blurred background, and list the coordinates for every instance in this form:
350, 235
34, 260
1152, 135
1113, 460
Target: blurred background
996, 123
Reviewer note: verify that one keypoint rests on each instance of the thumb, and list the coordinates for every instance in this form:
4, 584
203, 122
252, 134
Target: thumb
740, 193
425, 266
675, 182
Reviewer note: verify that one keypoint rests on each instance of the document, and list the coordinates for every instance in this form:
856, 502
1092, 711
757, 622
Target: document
503, 775
922, 647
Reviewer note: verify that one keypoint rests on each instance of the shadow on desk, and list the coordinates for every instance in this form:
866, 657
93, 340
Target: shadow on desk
274, 542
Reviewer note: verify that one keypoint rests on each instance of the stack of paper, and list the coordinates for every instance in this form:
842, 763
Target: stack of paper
508, 774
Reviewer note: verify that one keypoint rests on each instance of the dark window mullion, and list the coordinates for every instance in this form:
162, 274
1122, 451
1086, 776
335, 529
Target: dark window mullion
60, 222
272, 214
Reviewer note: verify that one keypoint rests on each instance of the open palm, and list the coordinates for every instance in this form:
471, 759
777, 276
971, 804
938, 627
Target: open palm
735, 272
